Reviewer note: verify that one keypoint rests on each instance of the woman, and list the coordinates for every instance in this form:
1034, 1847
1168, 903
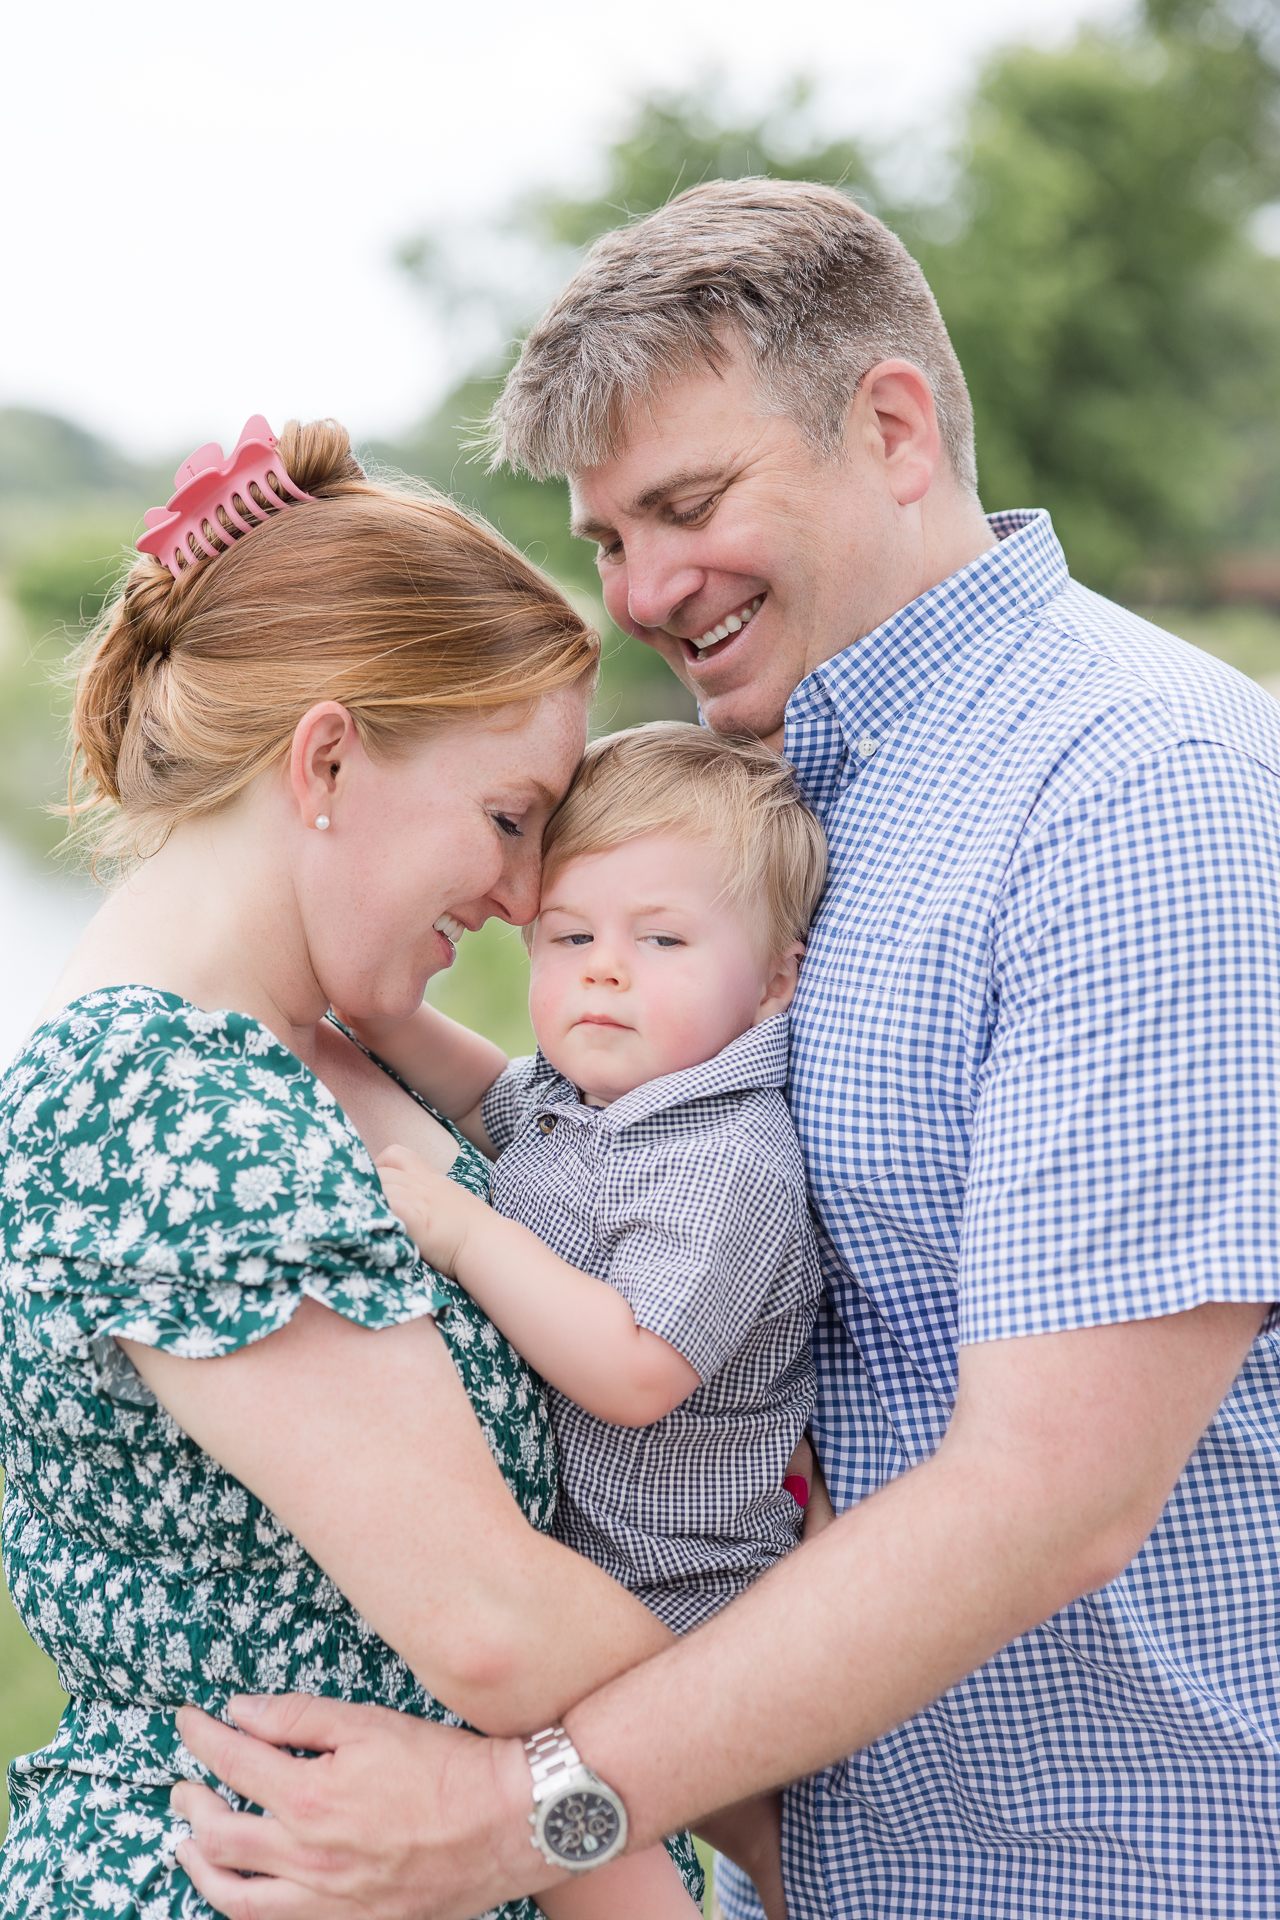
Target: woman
323, 748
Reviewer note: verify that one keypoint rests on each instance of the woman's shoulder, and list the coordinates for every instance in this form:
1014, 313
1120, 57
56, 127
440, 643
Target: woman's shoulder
190, 1164
122, 1052
133, 1106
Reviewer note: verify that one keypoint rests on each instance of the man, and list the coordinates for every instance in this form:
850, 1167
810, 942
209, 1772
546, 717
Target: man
1030, 1669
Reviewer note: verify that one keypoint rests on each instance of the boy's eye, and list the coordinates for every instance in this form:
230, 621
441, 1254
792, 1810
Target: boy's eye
574, 940
663, 940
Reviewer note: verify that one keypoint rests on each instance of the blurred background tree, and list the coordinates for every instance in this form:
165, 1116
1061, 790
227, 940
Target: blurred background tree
1118, 325
1102, 239
1094, 253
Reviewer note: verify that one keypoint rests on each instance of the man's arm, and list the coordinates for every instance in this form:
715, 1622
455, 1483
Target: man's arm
1060, 1457
446, 1063
1062, 1453
576, 1330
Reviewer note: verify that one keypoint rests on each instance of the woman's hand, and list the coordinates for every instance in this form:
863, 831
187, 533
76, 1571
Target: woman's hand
439, 1214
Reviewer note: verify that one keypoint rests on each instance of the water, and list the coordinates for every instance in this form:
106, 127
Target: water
42, 914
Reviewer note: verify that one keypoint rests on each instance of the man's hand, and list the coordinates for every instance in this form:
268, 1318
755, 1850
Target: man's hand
394, 1816
439, 1214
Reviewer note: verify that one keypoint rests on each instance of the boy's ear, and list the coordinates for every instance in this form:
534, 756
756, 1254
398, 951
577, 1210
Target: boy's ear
781, 983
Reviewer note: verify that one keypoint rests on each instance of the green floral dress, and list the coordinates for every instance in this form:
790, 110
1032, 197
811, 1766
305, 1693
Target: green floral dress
180, 1178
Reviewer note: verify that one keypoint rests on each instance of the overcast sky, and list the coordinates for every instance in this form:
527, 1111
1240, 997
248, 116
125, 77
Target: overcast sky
203, 204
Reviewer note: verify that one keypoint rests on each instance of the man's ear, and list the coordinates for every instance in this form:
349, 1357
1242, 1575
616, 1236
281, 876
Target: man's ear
324, 741
895, 414
780, 986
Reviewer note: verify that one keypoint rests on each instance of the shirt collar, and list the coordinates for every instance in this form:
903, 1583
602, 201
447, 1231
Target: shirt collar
757, 1058
836, 718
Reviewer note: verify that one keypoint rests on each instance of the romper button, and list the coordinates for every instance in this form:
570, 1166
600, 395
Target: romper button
547, 1123
865, 745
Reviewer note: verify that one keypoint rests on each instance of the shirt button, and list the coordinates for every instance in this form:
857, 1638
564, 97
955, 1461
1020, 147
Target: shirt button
547, 1123
865, 745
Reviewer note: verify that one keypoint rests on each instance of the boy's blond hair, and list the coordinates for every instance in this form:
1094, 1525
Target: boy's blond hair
670, 777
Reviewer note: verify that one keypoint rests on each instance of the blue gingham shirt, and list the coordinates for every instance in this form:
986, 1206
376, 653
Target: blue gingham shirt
1035, 1070
688, 1196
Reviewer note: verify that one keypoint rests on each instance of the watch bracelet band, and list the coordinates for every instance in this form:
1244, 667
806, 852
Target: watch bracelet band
552, 1757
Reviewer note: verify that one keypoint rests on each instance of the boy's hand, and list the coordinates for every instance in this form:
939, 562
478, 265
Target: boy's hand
437, 1211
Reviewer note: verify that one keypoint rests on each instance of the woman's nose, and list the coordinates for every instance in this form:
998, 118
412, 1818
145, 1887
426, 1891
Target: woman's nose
518, 888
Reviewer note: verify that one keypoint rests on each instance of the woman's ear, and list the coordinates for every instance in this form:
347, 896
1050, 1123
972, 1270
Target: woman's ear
780, 986
323, 741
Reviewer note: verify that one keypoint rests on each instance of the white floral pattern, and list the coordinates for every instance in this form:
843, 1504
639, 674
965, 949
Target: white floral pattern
179, 1177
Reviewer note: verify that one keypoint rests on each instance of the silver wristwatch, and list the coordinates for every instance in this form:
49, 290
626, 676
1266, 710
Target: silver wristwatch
577, 1821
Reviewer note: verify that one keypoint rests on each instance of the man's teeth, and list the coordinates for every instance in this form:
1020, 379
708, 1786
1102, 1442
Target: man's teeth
732, 623
452, 929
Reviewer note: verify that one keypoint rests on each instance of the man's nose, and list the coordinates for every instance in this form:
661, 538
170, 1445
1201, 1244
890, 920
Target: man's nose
657, 585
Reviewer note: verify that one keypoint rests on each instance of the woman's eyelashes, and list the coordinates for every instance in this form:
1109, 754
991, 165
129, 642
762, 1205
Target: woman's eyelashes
505, 824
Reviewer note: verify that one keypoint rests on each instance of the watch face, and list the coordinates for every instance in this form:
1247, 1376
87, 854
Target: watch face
581, 1826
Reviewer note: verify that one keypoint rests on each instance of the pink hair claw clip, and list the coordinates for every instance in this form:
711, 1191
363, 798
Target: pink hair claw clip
217, 501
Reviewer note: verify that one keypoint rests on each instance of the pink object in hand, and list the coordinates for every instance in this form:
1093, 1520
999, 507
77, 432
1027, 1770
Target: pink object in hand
798, 1488
205, 482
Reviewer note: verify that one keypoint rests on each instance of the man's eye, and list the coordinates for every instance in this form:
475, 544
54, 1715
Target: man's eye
505, 824
609, 550
685, 516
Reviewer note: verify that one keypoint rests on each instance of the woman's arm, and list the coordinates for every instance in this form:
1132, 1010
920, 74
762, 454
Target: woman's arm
576, 1330
365, 1446
446, 1063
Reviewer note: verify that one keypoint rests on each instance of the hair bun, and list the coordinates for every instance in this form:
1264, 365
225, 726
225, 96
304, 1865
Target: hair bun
318, 458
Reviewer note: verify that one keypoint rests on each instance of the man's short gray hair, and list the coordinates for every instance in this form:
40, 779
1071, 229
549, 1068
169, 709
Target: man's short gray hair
816, 289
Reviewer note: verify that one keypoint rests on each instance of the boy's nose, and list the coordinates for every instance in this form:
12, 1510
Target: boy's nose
603, 970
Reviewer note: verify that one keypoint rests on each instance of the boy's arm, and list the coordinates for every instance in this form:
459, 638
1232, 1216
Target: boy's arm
446, 1063
576, 1330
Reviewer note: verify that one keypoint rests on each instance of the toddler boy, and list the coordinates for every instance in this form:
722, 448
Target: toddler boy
649, 1249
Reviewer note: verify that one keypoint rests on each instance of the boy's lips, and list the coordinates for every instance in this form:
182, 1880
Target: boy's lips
601, 1020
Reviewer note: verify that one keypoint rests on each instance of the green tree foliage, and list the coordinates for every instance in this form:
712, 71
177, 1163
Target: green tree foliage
1119, 330
69, 506
1120, 333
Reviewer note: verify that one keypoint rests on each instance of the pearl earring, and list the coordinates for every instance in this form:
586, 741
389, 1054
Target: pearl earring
322, 821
